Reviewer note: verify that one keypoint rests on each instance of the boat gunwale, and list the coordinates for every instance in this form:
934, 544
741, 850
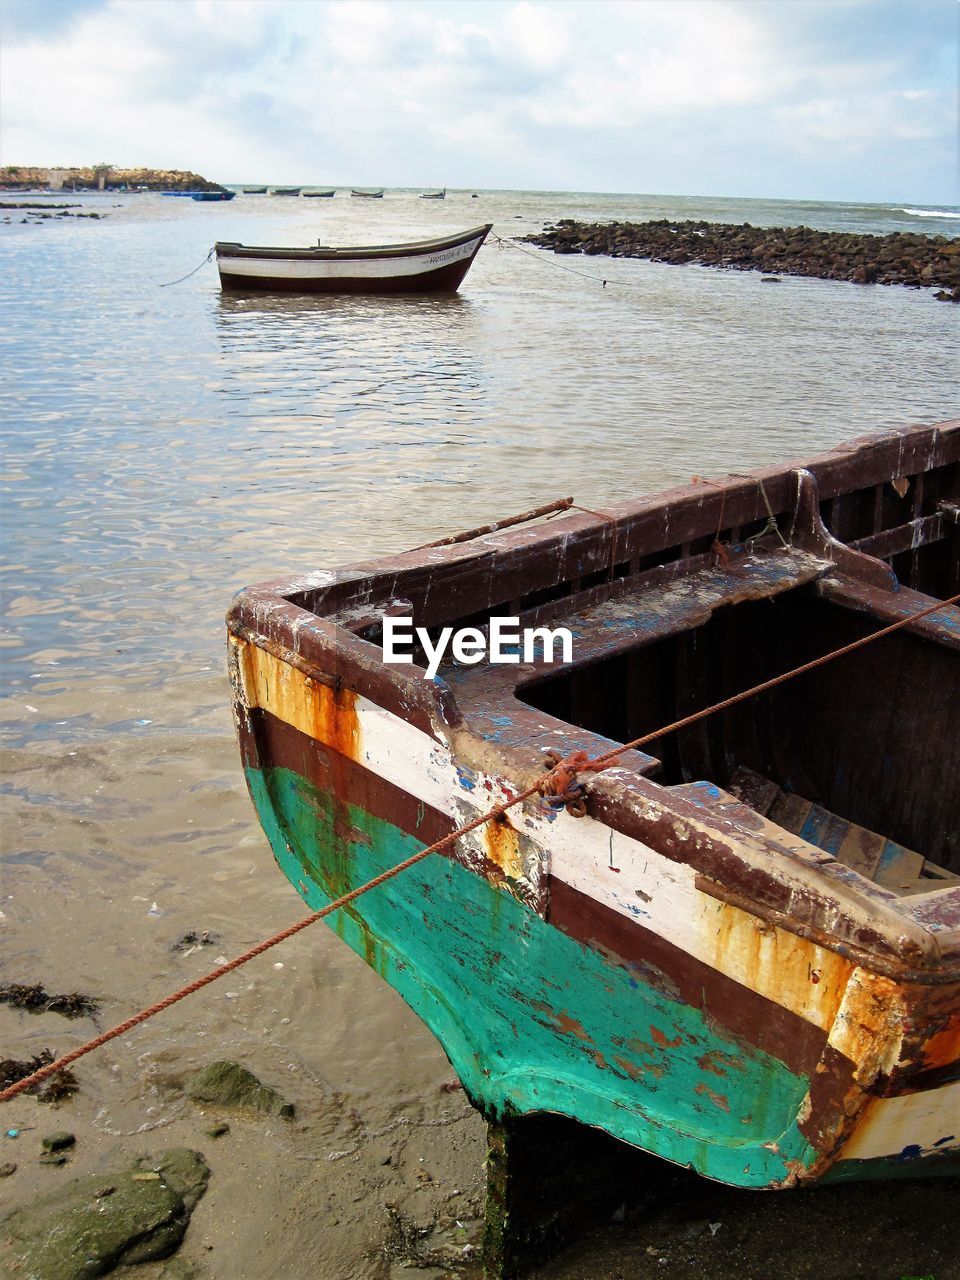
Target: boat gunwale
411, 249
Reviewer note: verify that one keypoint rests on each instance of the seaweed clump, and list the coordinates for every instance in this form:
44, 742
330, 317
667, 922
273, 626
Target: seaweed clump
36, 999
61, 1085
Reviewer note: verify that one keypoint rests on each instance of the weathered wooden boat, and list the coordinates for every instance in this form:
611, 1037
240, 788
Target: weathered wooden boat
744, 956
326, 194
367, 195
254, 191
285, 191
424, 266
213, 195
434, 195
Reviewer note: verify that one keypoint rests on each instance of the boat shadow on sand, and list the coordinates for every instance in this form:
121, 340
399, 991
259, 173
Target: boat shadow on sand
640, 1217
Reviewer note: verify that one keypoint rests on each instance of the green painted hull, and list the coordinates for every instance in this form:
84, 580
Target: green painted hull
532, 1020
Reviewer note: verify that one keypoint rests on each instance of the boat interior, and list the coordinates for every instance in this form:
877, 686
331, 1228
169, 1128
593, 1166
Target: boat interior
858, 758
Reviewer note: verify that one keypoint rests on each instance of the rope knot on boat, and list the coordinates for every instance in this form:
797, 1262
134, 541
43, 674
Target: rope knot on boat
561, 788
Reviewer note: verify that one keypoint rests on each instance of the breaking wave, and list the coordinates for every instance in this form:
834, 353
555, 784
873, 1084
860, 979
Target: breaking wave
932, 213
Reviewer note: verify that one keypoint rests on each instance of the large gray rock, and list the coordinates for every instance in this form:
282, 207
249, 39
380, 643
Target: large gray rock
230, 1085
100, 1221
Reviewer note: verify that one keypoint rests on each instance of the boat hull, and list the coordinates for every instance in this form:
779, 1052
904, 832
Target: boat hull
438, 269
677, 977
584, 1013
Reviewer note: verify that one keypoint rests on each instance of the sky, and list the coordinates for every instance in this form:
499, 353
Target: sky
792, 99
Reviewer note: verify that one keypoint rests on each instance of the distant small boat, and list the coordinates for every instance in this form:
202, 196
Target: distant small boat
425, 266
367, 195
213, 195
254, 191
434, 195
323, 194
285, 191
186, 194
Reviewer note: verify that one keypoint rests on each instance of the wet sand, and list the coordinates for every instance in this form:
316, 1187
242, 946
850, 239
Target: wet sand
380, 1120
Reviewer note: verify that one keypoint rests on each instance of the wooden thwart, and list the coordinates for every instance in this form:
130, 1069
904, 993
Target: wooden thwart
874, 856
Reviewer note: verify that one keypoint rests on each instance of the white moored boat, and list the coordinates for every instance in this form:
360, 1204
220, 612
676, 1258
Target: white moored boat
425, 266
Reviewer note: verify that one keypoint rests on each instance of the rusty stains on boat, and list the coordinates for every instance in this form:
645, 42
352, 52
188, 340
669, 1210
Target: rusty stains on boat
502, 844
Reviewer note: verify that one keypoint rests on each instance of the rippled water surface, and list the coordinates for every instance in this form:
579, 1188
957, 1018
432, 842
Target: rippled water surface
165, 446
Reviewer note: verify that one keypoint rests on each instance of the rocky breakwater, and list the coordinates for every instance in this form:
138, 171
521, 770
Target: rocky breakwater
901, 258
30, 178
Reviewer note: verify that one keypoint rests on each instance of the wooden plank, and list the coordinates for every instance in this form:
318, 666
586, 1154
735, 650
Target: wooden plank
905, 537
824, 829
756, 791
923, 884
710, 796
897, 866
790, 812
933, 871
861, 850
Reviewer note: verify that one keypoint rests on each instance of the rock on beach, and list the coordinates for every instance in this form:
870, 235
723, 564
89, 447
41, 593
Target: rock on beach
900, 258
230, 1085
100, 1221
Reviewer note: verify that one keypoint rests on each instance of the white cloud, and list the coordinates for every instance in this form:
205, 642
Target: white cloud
362, 33
538, 34
859, 122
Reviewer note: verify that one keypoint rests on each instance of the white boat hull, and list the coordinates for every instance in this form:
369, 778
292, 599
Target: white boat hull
431, 266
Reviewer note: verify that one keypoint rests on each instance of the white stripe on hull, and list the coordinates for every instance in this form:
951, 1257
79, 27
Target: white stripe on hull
347, 268
889, 1126
648, 889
